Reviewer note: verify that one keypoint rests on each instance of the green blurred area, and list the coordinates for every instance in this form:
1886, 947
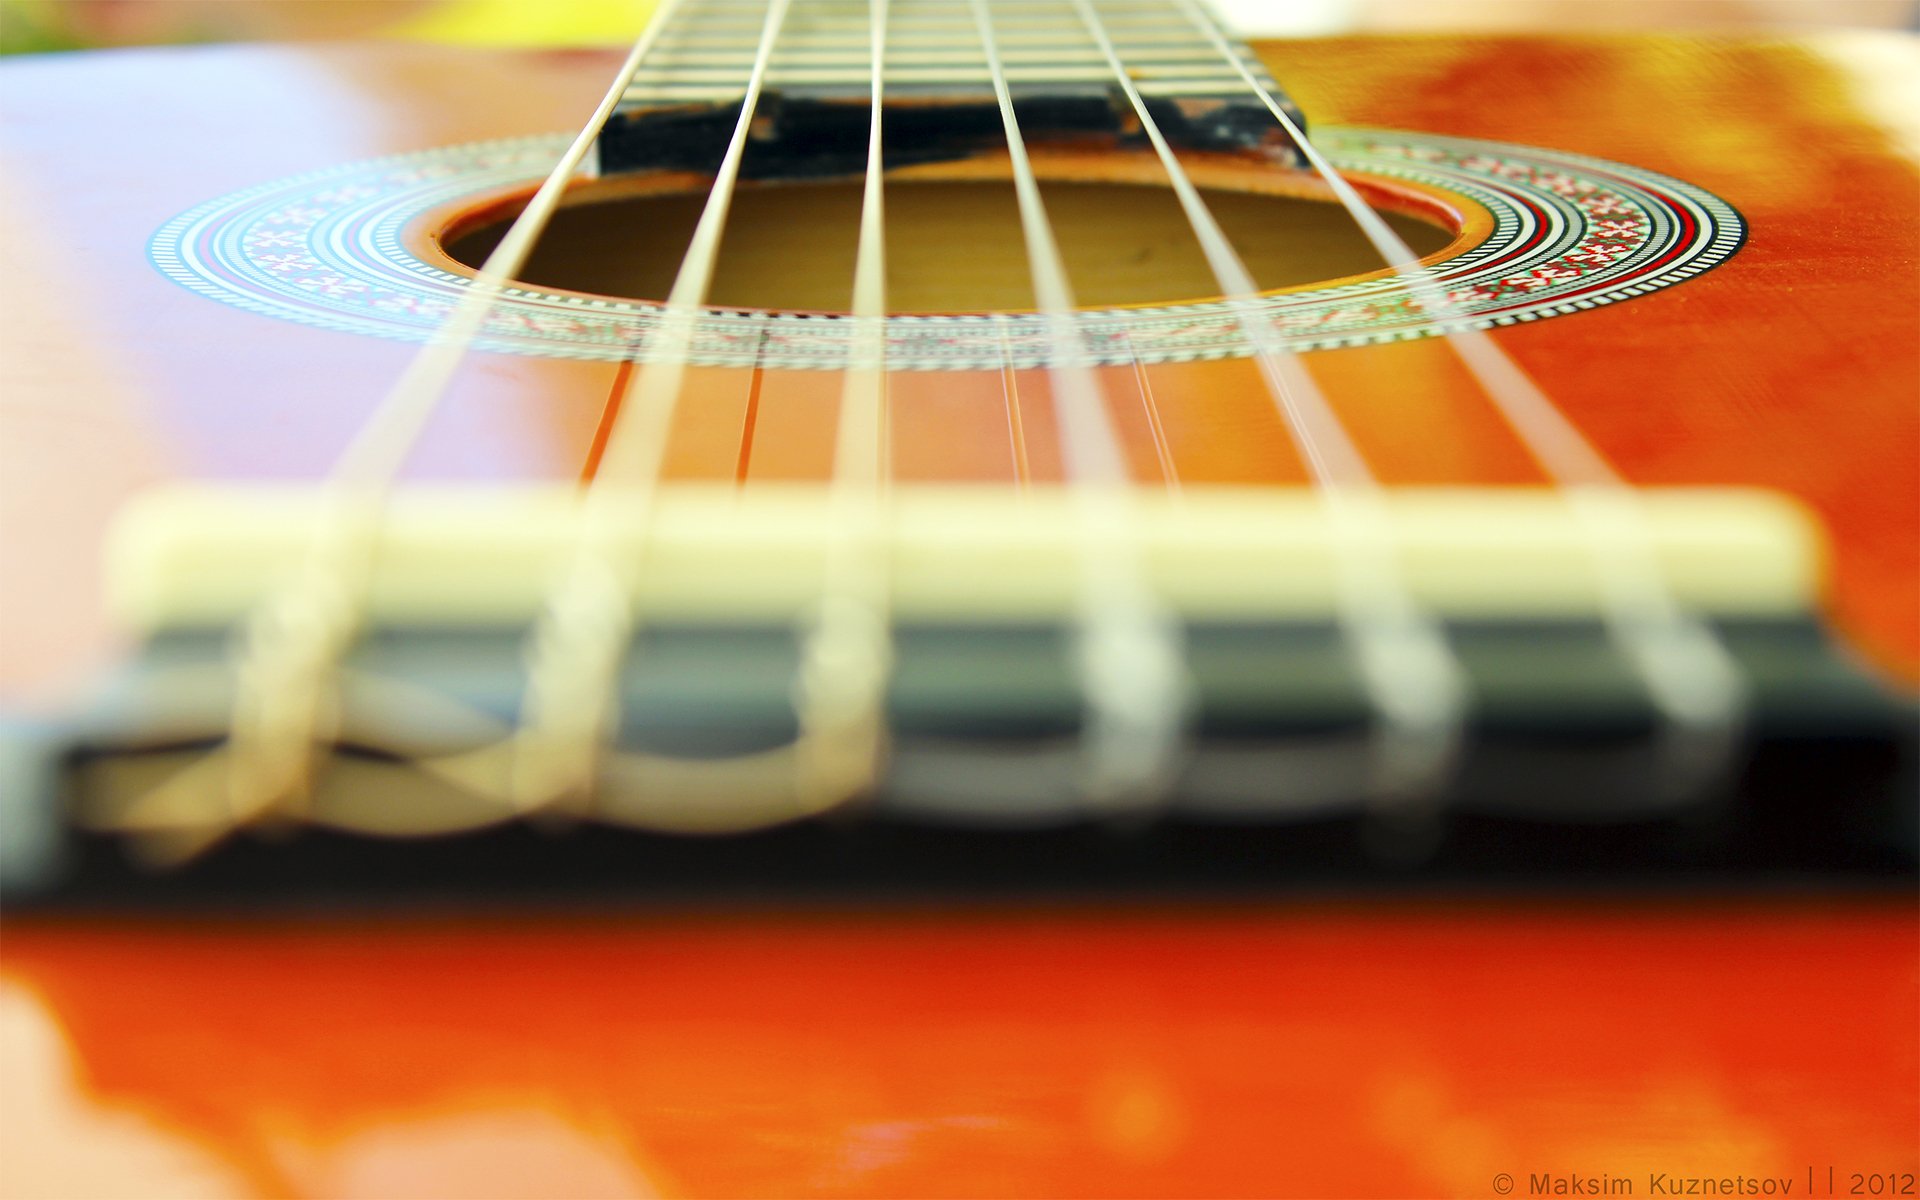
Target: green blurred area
39, 26
29, 28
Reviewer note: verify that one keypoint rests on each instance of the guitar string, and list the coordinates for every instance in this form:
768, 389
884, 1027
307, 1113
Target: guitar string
843, 672
581, 638
288, 650
565, 752
847, 652
1413, 681
1128, 652
579, 641
845, 646
1686, 667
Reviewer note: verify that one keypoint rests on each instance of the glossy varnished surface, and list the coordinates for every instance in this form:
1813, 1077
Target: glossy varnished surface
1312, 1051
1394, 1049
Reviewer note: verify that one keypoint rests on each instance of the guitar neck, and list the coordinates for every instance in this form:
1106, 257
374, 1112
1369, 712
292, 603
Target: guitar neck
938, 84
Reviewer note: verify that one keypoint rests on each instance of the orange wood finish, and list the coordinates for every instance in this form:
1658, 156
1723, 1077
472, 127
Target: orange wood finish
1395, 1049
1358, 1050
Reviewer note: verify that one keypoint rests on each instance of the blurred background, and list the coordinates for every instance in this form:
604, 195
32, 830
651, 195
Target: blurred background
29, 26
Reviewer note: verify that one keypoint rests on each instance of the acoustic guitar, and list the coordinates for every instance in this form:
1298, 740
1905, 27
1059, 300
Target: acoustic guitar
960, 597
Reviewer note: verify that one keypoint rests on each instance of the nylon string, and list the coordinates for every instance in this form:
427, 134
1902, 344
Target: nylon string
1130, 657
579, 641
287, 652
846, 654
563, 751
1687, 669
1414, 682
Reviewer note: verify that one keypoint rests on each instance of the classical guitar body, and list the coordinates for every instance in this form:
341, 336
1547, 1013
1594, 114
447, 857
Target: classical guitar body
967, 962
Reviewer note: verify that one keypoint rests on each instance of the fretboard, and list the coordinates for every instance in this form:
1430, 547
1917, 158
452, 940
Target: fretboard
937, 79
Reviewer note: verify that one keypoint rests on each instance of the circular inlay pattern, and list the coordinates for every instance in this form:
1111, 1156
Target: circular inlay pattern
1570, 233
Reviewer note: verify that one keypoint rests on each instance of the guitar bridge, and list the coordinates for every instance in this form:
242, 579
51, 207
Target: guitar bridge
982, 710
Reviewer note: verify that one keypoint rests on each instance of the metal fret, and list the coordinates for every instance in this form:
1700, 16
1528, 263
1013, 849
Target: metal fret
842, 57
718, 34
684, 93
962, 74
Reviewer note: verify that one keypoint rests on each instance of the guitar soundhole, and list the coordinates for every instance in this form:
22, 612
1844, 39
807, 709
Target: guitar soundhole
953, 246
